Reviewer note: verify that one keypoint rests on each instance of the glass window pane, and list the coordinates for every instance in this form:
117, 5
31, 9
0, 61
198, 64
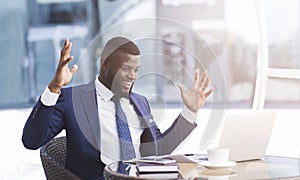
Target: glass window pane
283, 93
283, 33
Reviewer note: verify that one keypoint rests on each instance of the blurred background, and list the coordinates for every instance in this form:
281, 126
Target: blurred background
32, 33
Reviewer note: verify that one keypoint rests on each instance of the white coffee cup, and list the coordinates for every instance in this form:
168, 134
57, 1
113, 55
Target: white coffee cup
218, 156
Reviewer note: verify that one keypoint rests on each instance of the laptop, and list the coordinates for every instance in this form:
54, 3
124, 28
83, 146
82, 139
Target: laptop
247, 133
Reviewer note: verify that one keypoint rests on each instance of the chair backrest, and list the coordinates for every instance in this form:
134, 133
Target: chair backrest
53, 157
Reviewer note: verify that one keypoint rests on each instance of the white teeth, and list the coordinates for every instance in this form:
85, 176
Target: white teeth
127, 83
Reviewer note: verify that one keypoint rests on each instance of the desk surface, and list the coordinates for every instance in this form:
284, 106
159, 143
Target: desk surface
271, 167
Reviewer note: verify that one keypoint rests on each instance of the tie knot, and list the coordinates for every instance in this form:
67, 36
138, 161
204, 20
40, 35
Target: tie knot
115, 99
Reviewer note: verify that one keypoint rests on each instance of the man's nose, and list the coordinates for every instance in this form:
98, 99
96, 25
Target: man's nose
132, 74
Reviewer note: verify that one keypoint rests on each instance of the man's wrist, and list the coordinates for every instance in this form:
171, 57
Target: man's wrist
49, 98
54, 89
189, 115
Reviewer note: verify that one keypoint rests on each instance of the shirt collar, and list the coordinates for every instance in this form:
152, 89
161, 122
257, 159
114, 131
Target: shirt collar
103, 91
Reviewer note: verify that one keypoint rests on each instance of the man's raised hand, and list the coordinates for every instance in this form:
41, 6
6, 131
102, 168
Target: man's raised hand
63, 74
196, 96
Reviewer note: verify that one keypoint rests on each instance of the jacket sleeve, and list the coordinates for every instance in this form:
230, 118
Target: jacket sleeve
164, 143
44, 123
174, 135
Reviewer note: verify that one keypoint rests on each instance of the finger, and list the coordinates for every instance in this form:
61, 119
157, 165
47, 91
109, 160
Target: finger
206, 84
208, 92
65, 62
74, 69
196, 78
203, 79
66, 42
64, 49
181, 88
68, 50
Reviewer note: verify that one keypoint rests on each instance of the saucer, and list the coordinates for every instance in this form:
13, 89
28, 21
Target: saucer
211, 176
228, 164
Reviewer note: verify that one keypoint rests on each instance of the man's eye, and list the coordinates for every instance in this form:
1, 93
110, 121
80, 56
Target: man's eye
125, 69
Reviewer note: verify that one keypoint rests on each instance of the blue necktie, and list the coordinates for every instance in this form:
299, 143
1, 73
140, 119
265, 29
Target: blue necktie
127, 150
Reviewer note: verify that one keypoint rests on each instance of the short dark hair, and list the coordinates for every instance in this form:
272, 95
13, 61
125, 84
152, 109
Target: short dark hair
120, 44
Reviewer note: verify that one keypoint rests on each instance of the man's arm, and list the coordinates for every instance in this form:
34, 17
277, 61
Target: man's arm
167, 142
156, 143
46, 119
176, 134
184, 124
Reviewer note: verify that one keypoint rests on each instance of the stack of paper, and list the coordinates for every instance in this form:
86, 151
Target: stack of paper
157, 168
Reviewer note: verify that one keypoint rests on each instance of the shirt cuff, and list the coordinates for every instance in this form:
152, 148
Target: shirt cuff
49, 98
190, 116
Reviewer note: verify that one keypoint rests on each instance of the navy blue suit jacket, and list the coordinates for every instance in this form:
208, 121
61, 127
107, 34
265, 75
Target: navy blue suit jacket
76, 111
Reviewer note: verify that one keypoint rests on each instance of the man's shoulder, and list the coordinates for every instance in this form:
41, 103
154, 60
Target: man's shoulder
137, 96
75, 88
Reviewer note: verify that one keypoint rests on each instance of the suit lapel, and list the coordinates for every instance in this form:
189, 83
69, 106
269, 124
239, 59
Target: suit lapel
148, 139
141, 111
144, 115
140, 108
90, 114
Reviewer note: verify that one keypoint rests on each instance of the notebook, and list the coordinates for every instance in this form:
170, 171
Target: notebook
247, 133
157, 175
144, 167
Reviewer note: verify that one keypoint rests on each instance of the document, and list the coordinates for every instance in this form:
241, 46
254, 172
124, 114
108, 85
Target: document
143, 167
179, 158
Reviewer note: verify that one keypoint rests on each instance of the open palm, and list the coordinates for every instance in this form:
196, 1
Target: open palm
195, 97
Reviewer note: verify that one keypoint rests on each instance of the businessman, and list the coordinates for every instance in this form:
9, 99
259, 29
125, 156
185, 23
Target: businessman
104, 120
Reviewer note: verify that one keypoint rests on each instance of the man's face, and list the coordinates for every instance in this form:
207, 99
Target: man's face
122, 70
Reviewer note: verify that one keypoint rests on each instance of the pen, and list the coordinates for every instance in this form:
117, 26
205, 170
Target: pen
189, 154
197, 158
128, 168
202, 159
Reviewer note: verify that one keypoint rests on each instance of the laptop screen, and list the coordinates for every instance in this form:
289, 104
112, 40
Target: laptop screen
247, 133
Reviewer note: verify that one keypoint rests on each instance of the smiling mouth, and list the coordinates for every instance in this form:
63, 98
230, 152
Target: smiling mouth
127, 84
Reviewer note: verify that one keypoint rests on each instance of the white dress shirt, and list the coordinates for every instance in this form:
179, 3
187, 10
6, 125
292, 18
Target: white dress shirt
110, 147
108, 127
